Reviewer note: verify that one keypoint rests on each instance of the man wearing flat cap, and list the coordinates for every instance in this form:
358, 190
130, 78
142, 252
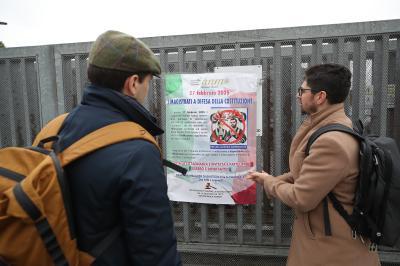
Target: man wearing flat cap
122, 185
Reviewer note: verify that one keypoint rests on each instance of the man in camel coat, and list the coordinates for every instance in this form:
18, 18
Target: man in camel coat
332, 165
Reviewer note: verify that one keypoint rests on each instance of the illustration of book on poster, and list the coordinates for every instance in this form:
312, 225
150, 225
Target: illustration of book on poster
211, 131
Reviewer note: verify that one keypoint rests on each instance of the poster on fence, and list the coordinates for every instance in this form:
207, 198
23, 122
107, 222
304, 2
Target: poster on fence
211, 131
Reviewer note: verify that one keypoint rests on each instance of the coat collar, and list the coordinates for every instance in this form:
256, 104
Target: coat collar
119, 102
320, 116
332, 114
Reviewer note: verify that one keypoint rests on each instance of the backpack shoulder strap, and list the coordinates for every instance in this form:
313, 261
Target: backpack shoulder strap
49, 134
51, 129
328, 128
105, 136
336, 204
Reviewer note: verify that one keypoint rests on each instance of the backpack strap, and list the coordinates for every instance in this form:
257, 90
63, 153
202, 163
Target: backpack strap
103, 137
327, 222
331, 127
48, 134
106, 242
335, 202
50, 130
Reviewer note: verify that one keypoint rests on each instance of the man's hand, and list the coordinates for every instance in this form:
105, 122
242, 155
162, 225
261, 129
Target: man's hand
261, 177
257, 176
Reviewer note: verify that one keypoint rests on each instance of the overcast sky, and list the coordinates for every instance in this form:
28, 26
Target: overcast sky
37, 22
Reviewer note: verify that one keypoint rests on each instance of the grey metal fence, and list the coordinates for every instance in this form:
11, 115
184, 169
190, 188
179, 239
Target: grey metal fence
37, 83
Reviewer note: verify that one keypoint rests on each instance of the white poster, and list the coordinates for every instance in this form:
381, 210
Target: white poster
211, 131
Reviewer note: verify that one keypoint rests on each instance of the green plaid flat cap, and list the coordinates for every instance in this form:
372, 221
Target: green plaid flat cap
119, 51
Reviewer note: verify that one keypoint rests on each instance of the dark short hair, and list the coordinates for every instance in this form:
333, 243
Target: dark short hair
110, 78
334, 79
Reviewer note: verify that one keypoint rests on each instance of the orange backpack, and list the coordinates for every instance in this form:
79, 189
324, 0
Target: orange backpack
35, 211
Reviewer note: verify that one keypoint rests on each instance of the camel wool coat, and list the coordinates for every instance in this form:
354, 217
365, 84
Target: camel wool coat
332, 165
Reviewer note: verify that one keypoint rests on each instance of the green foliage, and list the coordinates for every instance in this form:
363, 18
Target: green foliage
2, 45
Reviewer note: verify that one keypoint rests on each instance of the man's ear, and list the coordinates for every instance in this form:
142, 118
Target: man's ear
130, 88
321, 97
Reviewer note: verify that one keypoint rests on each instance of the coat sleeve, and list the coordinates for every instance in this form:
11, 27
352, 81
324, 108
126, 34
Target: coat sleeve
286, 177
326, 165
146, 213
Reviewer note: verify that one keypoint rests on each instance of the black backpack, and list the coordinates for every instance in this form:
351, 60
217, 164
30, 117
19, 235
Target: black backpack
376, 213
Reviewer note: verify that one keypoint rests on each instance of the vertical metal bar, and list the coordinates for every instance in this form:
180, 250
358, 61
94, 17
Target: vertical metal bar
221, 208
154, 99
277, 96
199, 59
185, 207
259, 203
257, 53
384, 82
164, 67
78, 79
239, 209
376, 86
396, 126
339, 51
58, 62
221, 223
316, 57
297, 78
181, 58
319, 51
236, 61
3, 105
204, 222
48, 90
203, 207
218, 55
347, 102
68, 84
380, 71
339, 58
259, 188
28, 139
186, 221
358, 87
10, 104
33, 96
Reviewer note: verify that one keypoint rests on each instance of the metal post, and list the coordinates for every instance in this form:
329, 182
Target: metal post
58, 63
380, 73
277, 136
12, 118
358, 86
259, 188
218, 55
339, 51
316, 57
297, 78
28, 135
221, 223
186, 221
396, 126
204, 222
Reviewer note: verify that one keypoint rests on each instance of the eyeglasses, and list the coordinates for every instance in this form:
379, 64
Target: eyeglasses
301, 90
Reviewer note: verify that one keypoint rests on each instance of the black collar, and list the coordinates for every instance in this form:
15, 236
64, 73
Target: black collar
128, 106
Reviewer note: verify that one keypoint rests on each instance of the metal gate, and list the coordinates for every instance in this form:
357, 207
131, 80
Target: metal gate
37, 83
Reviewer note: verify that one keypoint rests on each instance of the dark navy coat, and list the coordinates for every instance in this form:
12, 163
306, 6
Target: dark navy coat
120, 185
